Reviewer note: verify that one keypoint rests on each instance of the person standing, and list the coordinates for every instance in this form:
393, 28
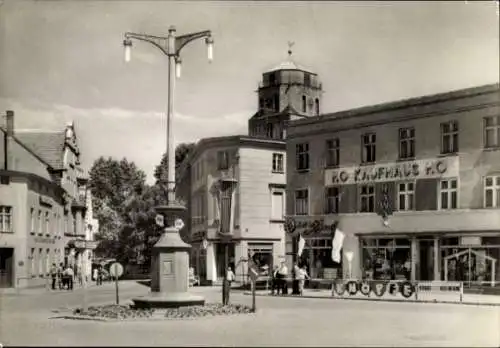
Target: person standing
230, 277
53, 274
99, 275
282, 275
301, 277
69, 275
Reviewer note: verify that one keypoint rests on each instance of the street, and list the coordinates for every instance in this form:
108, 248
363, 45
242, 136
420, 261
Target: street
26, 320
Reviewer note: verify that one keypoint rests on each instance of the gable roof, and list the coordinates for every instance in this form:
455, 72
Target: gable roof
46, 144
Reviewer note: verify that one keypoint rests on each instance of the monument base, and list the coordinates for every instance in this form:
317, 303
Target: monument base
168, 300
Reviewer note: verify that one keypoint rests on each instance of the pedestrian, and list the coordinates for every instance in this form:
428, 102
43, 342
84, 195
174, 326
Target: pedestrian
53, 274
99, 275
274, 281
60, 279
301, 277
69, 275
94, 274
230, 277
282, 275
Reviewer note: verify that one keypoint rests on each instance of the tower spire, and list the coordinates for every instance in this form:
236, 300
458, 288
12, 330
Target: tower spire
290, 45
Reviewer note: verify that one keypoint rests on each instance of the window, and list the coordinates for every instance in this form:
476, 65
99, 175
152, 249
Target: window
41, 271
5, 219
406, 143
222, 160
406, 196
332, 152
276, 102
492, 131
272, 79
47, 222
47, 261
54, 224
307, 80
278, 163
492, 191
332, 200
302, 154
32, 220
277, 203
368, 147
269, 130
304, 103
74, 223
448, 194
302, 202
449, 137
33, 263
316, 103
367, 199
39, 222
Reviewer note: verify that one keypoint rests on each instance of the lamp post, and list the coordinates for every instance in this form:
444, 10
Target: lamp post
170, 255
171, 46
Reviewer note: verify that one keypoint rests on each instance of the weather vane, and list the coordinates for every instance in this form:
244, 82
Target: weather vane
290, 45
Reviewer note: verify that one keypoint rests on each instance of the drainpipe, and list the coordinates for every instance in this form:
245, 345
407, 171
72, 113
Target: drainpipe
8, 135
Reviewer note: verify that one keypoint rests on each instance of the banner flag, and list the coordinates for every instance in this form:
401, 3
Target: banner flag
302, 243
337, 243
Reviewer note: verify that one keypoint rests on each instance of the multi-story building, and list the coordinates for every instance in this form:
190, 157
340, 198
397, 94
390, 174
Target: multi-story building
41, 211
257, 163
433, 162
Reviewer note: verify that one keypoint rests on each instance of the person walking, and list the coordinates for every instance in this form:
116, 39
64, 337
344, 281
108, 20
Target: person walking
301, 277
53, 274
60, 280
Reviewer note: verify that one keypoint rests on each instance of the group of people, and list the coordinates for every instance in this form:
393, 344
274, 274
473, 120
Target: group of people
279, 278
63, 276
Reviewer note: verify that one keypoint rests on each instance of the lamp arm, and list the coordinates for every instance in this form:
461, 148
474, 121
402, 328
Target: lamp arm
183, 40
158, 41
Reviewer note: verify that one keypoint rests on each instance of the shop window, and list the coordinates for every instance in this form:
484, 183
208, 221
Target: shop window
332, 200
222, 160
367, 198
332, 152
386, 259
6, 219
262, 256
317, 258
406, 196
448, 197
278, 163
449, 137
492, 191
302, 156
406, 143
368, 147
491, 131
302, 202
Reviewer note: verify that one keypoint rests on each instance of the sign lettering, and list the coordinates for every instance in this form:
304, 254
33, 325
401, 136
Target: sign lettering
419, 169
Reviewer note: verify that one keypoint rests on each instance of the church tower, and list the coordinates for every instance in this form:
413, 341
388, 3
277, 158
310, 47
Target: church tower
287, 91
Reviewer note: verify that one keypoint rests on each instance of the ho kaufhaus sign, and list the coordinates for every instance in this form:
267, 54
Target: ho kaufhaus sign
383, 172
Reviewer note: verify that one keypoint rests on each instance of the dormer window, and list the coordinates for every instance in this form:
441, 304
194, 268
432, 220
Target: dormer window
316, 104
272, 79
269, 130
307, 79
277, 102
304, 103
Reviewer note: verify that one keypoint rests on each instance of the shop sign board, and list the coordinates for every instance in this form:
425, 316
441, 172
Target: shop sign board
384, 172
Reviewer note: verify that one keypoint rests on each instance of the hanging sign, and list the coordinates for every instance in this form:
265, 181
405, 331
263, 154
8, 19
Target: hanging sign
159, 220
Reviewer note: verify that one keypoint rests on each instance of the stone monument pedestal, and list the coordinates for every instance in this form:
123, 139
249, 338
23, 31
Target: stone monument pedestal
169, 271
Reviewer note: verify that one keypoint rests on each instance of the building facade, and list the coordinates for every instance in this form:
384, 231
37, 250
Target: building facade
256, 211
256, 162
414, 185
41, 209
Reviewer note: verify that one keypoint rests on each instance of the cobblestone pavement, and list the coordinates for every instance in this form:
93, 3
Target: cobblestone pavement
25, 320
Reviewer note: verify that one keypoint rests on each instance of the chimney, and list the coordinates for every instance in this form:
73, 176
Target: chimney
8, 134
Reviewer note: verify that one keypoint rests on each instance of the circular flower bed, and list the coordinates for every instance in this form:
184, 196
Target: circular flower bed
129, 312
114, 312
210, 309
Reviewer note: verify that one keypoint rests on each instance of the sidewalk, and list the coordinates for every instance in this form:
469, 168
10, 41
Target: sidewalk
468, 299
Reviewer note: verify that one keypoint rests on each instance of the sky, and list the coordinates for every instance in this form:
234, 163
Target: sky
62, 61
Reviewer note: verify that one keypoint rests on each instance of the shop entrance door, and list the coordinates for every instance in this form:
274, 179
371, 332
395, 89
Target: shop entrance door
6, 267
426, 260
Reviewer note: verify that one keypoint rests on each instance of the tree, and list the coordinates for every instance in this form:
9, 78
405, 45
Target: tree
114, 184
182, 151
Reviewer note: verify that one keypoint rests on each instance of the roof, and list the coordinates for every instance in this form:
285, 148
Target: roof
402, 104
49, 145
289, 64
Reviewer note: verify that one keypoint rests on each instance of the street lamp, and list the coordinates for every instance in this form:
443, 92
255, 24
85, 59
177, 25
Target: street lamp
171, 46
169, 284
